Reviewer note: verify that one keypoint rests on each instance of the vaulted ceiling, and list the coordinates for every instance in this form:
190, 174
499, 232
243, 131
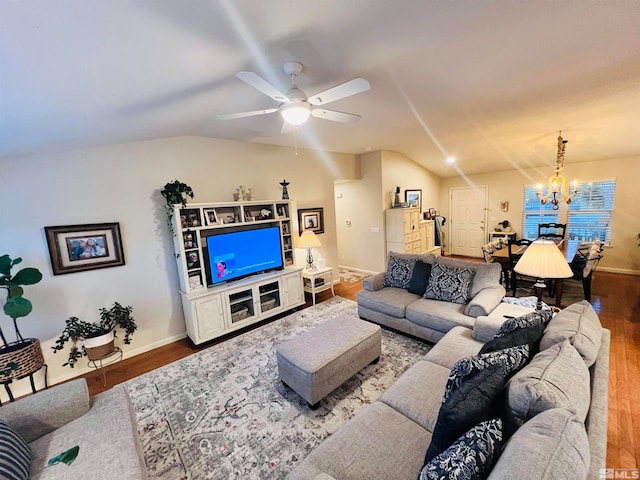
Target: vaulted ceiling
488, 82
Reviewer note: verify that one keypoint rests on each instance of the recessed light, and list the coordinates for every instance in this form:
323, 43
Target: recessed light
451, 160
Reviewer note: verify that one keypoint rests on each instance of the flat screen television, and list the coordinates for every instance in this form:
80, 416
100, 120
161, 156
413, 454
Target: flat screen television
235, 252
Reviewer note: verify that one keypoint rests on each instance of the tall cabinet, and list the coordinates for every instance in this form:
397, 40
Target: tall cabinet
212, 311
406, 233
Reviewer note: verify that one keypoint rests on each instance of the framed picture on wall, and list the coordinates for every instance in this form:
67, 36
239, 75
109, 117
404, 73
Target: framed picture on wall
311, 219
76, 248
413, 198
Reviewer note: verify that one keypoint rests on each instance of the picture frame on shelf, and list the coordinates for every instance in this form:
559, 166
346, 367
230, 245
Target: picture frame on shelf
413, 197
210, 216
311, 219
195, 280
77, 248
193, 260
190, 240
190, 218
432, 212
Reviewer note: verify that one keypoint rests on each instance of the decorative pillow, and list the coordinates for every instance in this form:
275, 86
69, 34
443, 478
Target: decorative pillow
420, 278
554, 442
399, 271
528, 320
521, 336
579, 323
555, 378
470, 457
473, 394
449, 284
15, 456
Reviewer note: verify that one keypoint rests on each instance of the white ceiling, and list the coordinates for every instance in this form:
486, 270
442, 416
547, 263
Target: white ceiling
489, 82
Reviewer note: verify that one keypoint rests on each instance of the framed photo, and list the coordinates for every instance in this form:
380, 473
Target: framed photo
432, 212
190, 218
190, 239
311, 219
193, 260
210, 216
76, 248
413, 198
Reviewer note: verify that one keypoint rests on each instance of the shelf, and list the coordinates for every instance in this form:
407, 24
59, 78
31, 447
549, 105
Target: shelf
234, 301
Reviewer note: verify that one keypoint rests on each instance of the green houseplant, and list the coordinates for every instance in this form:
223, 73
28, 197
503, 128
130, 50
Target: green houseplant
23, 356
103, 332
175, 193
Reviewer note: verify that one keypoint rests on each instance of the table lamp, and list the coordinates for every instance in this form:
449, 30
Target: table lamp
543, 260
309, 240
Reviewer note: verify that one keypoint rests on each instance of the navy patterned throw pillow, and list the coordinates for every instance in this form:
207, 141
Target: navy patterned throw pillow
529, 320
399, 272
449, 284
474, 393
15, 456
471, 457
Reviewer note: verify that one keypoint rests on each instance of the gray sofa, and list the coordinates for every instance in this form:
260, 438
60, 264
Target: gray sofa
55, 420
389, 438
430, 320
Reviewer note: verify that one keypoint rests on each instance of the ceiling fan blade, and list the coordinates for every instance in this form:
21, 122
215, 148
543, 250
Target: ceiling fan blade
346, 89
231, 116
259, 83
335, 116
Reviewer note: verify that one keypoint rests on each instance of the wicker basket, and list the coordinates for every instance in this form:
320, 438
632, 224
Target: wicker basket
99, 347
19, 359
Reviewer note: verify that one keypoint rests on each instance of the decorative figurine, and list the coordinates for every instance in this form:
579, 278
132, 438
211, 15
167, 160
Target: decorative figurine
285, 193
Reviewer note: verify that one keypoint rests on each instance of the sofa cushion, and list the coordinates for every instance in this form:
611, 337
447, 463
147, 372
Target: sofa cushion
399, 270
555, 377
551, 445
390, 301
417, 394
473, 394
420, 278
484, 274
457, 343
449, 284
437, 315
378, 443
528, 320
15, 458
470, 457
579, 323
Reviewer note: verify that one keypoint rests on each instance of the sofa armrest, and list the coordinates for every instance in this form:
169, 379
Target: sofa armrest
485, 328
36, 415
374, 282
485, 301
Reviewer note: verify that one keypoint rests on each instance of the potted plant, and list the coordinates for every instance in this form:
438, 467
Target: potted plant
97, 339
175, 193
23, 356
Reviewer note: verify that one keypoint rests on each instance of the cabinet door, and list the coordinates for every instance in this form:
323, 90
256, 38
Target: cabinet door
293, 293
210, 313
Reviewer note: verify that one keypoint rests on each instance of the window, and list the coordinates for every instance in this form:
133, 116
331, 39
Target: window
533, 213
589, 214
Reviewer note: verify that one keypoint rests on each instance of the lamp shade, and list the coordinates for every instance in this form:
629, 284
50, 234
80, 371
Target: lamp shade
308, 239
295, 113
543, 259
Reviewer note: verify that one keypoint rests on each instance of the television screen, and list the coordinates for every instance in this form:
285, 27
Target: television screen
236, 253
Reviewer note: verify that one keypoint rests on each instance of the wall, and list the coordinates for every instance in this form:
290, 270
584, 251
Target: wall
362, 243
121, 184
623, 256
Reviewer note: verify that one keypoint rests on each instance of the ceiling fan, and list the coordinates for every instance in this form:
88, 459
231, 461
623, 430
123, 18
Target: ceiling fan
295, 107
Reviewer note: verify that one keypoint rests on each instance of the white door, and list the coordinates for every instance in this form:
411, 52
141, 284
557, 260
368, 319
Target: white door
468, 219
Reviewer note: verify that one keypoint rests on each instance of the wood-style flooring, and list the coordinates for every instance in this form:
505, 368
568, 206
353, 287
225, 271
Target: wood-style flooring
615, 297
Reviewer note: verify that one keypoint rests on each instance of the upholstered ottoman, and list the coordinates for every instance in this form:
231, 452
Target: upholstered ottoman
320, 360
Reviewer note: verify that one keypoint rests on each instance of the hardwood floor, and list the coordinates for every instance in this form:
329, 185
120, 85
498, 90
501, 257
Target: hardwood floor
615, 297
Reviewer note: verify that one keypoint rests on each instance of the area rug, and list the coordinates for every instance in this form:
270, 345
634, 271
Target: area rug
571, 293
223, 413
351, 276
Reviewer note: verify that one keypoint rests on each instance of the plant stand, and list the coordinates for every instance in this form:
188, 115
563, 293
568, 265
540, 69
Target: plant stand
20, 360
107, 359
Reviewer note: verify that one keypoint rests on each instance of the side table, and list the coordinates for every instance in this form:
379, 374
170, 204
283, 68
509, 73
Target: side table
316, 281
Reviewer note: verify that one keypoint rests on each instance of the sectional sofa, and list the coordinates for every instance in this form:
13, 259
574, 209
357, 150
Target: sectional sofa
558, 400
395, 298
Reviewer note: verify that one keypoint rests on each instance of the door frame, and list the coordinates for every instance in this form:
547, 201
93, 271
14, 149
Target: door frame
449, 243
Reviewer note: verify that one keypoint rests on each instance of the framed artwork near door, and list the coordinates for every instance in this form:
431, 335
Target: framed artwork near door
413, 198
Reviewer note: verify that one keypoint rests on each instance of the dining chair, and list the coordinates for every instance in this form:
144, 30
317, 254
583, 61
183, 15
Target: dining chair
584, 263
515, 253
488, 251
552, 231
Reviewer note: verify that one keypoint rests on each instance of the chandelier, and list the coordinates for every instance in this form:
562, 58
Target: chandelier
557, 191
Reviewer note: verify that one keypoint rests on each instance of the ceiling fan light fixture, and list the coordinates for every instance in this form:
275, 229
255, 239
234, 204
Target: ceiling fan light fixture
295, 113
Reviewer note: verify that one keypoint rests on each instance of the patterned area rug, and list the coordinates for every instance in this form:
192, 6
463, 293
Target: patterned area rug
571, 293
351, 276
222, 413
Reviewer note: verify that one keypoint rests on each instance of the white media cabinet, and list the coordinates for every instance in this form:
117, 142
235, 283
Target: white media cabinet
214, 311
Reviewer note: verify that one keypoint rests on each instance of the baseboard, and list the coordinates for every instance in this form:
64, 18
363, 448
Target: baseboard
359, 270
623, 271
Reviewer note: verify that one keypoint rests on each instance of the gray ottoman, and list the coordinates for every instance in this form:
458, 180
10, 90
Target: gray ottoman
320, 360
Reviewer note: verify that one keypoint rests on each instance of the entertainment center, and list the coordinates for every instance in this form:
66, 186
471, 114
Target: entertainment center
235, 265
